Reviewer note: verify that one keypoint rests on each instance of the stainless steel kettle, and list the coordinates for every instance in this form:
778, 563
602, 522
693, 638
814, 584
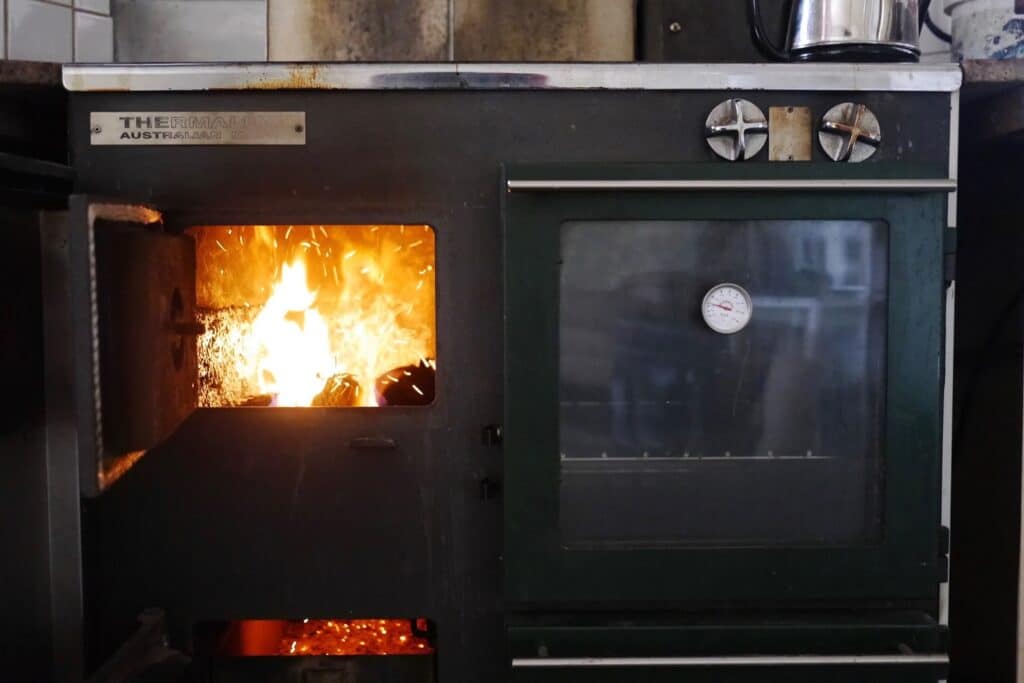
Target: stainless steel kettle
845, 30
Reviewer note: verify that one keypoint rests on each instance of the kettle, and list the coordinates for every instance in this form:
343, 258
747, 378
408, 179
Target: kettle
844, 30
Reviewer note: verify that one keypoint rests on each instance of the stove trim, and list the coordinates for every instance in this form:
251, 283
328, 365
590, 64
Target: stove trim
565, 76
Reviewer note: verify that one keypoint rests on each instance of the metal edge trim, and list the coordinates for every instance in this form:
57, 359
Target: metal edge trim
123, 462
842, 185
495, 76
93, 213
946, 485
725, 661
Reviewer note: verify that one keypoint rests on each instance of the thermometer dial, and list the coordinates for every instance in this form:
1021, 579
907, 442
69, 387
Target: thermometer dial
727, 308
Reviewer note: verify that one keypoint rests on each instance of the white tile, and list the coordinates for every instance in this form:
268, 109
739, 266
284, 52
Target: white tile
3, 30
38, 31
94, 38
100, 6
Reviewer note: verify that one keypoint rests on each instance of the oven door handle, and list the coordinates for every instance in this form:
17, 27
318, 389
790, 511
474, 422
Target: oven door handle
698, 185
726, 661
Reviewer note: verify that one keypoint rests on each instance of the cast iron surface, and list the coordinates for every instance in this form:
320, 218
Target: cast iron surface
251, 513
25, 597
380, 669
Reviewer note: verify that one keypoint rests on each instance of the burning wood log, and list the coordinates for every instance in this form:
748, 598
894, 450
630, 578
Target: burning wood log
409, 385
340, 391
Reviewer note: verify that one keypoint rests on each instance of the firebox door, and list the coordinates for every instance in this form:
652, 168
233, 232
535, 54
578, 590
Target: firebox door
134, 334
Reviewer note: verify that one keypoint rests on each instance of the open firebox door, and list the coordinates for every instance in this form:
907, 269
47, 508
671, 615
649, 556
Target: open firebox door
133, 306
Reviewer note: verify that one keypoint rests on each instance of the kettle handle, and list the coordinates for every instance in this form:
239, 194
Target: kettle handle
761, 40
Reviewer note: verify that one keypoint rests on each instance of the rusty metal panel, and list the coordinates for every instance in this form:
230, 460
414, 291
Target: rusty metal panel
545, 30
789, 134
358, 30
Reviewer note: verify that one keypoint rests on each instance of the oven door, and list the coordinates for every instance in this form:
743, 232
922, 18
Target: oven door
652, 461
129, 290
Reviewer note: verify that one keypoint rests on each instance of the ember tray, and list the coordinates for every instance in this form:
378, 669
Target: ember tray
317, 651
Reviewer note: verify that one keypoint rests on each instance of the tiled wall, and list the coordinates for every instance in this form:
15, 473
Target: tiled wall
249, 30
57, 30
374, 30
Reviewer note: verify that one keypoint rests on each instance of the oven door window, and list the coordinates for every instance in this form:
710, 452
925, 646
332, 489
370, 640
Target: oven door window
750, 416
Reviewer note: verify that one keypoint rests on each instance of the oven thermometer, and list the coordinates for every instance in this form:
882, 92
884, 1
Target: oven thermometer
727, 308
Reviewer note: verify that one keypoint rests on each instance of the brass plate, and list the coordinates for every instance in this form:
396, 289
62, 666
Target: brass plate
789, 134
197, 128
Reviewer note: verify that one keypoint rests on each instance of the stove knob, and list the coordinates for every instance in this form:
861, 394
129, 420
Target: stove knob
849, 132
736, 130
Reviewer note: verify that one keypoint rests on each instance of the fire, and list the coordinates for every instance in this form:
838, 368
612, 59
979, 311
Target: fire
354, 637
290, 342
316, 315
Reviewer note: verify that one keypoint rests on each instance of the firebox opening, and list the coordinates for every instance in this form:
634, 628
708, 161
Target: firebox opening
332, 316
315, 637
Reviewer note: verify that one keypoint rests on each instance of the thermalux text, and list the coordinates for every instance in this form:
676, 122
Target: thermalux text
179, 127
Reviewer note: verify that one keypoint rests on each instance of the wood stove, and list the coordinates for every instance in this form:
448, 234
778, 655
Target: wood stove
509, 358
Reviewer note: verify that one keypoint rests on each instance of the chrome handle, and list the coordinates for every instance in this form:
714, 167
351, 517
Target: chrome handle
812, 185
747, 661
761, 39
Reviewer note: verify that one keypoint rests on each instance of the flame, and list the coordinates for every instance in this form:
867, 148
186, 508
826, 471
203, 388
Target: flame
293, 311
291, 341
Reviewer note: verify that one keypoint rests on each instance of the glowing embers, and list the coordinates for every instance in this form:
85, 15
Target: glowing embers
321, 315
283, 639
356, 637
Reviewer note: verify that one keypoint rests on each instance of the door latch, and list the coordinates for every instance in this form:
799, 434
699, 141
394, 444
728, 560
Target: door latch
491, 435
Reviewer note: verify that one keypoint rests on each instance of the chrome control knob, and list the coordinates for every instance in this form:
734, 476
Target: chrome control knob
849, 132
736, 130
